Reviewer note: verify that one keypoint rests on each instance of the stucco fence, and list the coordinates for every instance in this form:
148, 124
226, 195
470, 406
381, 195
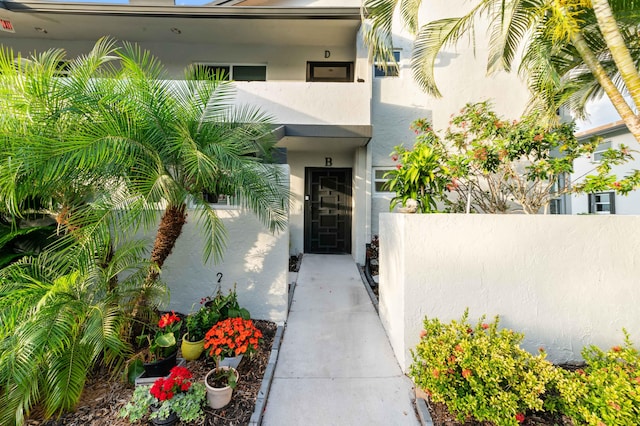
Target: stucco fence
564, 281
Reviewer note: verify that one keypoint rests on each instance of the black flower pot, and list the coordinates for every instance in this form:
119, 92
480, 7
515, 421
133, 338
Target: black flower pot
162, 367
169, 421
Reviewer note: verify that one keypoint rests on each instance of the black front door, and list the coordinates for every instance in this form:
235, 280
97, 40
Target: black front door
327, 212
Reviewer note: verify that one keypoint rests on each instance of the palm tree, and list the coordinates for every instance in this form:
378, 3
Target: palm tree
594, 36
138, 142
180, 139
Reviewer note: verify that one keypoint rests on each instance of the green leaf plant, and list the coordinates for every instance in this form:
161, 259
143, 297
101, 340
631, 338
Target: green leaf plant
480, 372
487, 164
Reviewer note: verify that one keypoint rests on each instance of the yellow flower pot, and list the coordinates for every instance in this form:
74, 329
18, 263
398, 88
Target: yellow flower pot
191, 350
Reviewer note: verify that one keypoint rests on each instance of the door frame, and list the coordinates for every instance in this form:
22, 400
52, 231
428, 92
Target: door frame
308, 171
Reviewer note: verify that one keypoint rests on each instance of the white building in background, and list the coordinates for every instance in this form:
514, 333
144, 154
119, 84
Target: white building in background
613, 136
303, 61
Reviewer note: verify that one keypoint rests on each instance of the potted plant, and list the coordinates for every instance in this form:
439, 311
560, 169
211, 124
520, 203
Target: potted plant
168, 400
227, 306
163, 347
232, 338
220, 383
421, 174
197, 325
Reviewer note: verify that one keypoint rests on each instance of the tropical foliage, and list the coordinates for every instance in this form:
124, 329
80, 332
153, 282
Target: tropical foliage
57, 322
102, 149
420, 174
484, 163
480, 372
573, 51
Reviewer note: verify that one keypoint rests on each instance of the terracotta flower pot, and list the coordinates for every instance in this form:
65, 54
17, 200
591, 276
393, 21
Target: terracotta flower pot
219, 397
191, 350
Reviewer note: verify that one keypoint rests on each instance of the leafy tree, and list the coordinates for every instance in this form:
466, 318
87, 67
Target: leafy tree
574, 50
103, 148
132, 141
493, 165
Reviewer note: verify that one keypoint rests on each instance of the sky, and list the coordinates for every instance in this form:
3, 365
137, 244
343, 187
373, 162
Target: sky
601, 112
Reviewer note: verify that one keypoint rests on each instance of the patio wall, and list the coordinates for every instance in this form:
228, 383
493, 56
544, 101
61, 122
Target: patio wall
563, 281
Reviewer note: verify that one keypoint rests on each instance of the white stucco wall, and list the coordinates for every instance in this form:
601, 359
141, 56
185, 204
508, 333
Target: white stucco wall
563, 281
256, 260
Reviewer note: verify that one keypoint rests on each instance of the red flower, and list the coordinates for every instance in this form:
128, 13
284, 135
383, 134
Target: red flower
423, 333
436, 373
466, 373
168, 319
520, 417
616, 348
394, 157
166, 388
398, 166
458, 348
485, 326
538, 137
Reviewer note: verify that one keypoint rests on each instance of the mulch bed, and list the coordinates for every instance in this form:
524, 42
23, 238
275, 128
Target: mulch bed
442, 417
102, 399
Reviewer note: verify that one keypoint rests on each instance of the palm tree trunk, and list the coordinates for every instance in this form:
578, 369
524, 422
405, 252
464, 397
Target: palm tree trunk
620, 104
169, 230
617, 47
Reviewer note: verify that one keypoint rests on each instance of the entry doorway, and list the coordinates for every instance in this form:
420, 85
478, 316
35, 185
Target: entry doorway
327, 210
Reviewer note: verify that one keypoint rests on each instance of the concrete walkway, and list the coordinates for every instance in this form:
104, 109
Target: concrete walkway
336, 366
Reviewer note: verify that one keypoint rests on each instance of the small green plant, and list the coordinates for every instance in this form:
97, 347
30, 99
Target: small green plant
165, 340
223, 377
199, 322
227, 306
174, 394
607, 390
480, 372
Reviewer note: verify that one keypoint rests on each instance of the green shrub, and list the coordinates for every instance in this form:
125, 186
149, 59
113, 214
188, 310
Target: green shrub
607, 390
480, 372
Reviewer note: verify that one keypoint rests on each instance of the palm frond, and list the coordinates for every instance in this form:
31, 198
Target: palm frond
430, 41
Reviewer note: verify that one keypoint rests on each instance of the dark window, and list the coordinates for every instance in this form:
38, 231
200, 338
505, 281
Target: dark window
234, 72
388, 69
249, 72
330, 71
602, 203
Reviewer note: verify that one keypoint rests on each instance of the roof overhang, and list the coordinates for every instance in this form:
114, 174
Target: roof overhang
319, 137
615, 127
241, 25
222, 12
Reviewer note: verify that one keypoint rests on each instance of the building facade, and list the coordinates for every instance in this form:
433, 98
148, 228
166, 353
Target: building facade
612, 135
336, 115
